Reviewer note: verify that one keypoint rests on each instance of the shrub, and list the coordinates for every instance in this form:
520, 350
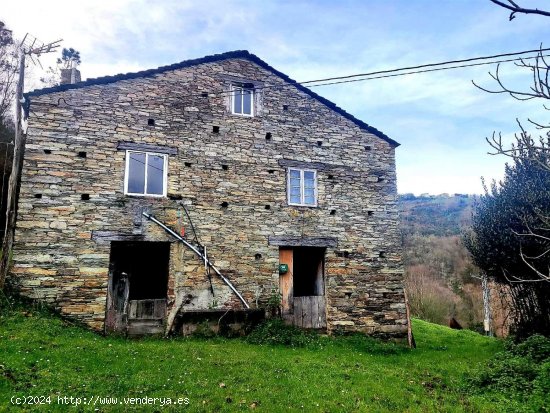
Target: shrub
275, 331
536, 347
521, 371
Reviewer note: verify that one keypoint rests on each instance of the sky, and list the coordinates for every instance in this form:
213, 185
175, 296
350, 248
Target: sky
441, 119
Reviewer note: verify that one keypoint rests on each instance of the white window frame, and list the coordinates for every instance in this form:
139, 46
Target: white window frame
234, 87
302, 185
164, 177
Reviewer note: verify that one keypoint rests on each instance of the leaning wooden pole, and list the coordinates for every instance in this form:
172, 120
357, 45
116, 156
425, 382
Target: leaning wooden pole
13, 186
410, 336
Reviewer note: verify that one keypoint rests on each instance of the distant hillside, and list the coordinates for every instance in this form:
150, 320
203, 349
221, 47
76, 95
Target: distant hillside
440, 215
438, 269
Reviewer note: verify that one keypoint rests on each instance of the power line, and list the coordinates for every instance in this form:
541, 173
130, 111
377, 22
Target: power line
426, 71
470, 59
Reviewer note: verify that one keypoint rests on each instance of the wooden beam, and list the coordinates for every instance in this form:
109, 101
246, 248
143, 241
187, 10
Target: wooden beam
320, 166
145, 147
104, 237
288, 241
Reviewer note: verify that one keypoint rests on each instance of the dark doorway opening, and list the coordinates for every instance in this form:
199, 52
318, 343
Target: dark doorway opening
145, 264
308, 271
138, 287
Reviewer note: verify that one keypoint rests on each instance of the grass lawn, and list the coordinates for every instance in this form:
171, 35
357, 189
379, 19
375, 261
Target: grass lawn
41, 355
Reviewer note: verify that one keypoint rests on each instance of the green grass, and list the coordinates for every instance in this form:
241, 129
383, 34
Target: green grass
42, 355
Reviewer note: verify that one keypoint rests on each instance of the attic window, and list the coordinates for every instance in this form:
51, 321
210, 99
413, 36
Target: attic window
151, 122
368, 148
285, 107
268, 136
215, 129
82, 154
242, 99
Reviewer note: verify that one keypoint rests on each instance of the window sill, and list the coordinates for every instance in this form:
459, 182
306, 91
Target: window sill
304, 205
145, 196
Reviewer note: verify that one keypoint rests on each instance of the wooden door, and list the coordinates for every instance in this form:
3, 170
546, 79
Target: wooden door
118, 291
310, 312
286, 281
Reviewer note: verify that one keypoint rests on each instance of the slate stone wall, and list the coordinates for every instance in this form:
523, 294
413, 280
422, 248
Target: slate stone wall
62, 245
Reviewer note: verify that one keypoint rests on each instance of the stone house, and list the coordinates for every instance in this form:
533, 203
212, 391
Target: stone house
209, 185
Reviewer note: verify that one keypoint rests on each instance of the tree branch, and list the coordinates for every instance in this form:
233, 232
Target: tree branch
514, 8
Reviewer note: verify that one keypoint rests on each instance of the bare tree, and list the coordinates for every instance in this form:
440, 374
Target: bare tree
8, 71
525, 147
515, 8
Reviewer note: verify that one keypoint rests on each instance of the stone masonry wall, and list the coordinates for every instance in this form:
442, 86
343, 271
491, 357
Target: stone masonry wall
59, 257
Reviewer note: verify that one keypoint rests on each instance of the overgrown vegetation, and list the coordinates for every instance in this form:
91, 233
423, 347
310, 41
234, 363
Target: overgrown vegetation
44, 355
521, 372
274, 331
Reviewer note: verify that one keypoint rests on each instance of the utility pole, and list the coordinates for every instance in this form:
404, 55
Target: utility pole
30, 46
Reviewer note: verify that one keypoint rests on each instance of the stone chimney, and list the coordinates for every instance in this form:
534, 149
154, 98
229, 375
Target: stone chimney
70, 76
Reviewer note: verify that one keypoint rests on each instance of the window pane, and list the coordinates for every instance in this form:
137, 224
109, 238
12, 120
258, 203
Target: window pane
309, 178
294, 173
309, 200
237, 101
247, 102
136, 173
295, 199
295, 192
155, 175
309, 193
294, 182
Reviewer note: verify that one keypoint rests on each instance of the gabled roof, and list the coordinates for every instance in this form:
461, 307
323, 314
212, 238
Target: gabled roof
237, 54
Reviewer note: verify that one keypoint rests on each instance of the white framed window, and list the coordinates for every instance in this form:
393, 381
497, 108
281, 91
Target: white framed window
146, 174
302, 187
242, 100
